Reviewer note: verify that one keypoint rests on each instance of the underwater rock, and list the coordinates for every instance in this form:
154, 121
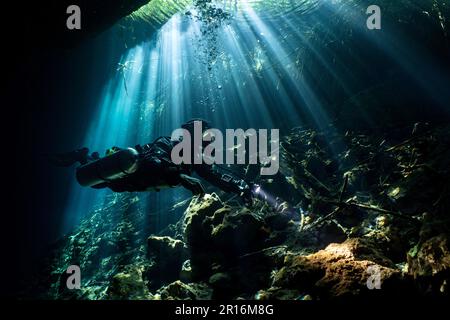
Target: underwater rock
223, 285
168, 256
128, 285
192, 228
281, 236
182, 291
277, 221
394, 236
277, 294
196, 229
412, 193
430, 265
281, 294
256, 268
226, 246
224, 250
330, 232
252, 272
340, 270
166, 248
239, 232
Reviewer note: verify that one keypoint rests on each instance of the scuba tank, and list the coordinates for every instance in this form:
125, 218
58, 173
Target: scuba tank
114, 166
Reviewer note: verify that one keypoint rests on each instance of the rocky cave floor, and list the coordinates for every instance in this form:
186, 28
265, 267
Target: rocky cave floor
362, 203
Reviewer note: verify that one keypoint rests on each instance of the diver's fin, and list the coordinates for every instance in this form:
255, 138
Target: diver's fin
68, 159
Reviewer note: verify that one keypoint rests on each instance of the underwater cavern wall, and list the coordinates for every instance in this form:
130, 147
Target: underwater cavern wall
368, 105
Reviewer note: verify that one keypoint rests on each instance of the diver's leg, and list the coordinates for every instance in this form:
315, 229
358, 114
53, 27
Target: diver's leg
68, 159
192, 184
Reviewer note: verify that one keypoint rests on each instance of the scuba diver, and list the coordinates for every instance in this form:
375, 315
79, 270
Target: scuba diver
150, 168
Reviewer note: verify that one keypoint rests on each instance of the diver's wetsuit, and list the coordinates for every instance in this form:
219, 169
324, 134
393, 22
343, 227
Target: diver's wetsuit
156, 171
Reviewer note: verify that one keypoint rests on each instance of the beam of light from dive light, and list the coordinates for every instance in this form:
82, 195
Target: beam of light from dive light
275, 202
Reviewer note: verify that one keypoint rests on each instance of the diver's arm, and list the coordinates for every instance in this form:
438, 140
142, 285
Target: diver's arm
224, 180
192, 184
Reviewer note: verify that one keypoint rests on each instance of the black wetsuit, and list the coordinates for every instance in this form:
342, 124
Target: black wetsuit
156, 171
